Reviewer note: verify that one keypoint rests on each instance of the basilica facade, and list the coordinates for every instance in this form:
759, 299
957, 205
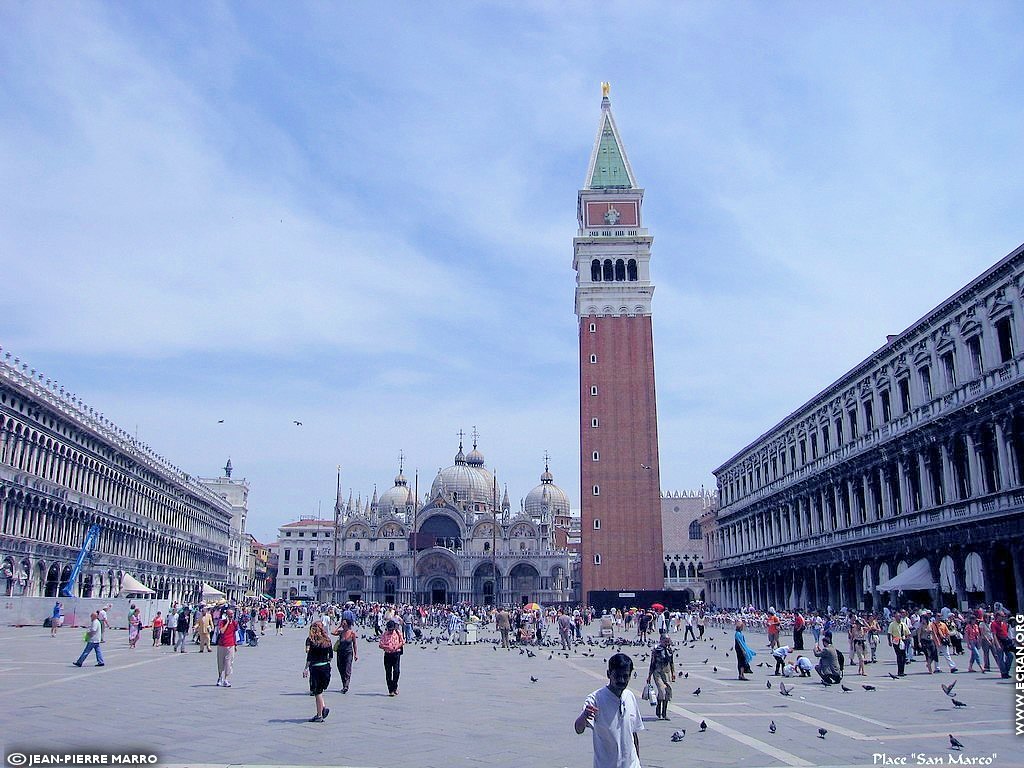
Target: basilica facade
458, 543
901, 482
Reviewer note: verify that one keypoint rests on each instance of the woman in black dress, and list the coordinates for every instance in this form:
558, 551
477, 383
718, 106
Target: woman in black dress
347, 653
318, 667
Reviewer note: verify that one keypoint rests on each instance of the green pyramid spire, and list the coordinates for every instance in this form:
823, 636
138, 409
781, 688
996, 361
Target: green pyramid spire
609, 166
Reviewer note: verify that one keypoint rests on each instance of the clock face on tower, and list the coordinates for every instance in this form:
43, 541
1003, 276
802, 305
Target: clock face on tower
612, 213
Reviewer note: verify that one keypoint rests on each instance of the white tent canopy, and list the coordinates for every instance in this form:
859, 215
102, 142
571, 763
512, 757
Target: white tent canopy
131, 585
211, 593
917, 576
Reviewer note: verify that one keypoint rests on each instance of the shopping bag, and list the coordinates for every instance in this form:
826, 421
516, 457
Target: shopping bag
646, 694
652, 696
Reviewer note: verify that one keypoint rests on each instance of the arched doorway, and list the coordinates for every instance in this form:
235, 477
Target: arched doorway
52, 581
437, 590
524, 583
687, 596
485, 584
437, 565
385, 582
351, 579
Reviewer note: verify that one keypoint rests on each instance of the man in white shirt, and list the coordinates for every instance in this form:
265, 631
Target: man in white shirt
104, 621
93, 642
614, 717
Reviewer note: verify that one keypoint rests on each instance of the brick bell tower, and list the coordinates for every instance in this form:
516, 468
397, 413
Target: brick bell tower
620, 491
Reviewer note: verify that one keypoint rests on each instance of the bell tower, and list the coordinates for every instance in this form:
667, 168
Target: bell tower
620, 493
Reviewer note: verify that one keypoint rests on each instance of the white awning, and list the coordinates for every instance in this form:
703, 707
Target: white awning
917, 576
211, 593
129, 584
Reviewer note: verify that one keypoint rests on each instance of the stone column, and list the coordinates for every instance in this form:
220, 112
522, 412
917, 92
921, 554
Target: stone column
927, 499
904, 491
883, 484
974, 463
1002, 458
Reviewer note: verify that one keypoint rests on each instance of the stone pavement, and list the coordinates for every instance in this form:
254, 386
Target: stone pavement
474, 705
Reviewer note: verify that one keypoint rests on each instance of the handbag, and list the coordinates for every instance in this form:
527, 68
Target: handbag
646, 694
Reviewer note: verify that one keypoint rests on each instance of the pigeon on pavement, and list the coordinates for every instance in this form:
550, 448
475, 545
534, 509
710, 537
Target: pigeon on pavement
821, 733
678, 735
771, 727
954, 743
703, 726
697, 692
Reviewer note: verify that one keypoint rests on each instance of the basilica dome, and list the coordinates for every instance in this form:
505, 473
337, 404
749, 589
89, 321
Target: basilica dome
394, 500
547, 494
467, 483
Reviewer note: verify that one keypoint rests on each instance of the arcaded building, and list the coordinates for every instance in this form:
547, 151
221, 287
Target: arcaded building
903, 481
65, 468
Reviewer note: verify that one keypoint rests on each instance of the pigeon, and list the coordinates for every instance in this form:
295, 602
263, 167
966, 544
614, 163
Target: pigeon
948, 689
297, 423
531, 654
868, 687
550, 657
220, 421
768, 684
771, 727
760, 663
958, 703
686, 675
784, 690
697, 692
954, 743
644, 466
533, 679
894, 677
821, 733
705, 661
714, 669
679, 735
703, 726
845, 689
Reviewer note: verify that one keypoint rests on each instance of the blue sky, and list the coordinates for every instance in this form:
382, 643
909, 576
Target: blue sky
360, 216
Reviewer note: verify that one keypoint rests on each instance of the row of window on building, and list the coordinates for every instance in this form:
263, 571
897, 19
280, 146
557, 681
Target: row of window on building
855, 420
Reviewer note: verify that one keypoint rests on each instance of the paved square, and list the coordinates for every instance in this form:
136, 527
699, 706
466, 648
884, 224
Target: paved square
474, 705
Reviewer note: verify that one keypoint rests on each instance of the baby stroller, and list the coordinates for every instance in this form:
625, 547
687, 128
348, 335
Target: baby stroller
250, 638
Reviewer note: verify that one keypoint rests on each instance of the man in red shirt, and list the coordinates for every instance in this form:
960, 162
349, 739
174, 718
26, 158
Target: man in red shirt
228, 629
773, 624
1003, 645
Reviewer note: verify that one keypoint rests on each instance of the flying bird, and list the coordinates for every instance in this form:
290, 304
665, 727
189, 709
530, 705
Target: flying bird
958, 703
697, 692
533, 679
703, 726
644, 466
220, 421
868, 687
771, 727
784, 690
678, 735
705, 661
948, 689
954, 743
297, 423
821, 733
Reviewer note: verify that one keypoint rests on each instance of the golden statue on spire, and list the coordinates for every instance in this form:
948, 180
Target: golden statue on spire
605, 88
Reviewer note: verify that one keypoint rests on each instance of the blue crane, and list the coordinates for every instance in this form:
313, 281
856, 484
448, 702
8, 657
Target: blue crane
91, 539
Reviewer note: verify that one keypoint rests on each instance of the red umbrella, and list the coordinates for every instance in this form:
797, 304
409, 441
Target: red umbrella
658, 607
